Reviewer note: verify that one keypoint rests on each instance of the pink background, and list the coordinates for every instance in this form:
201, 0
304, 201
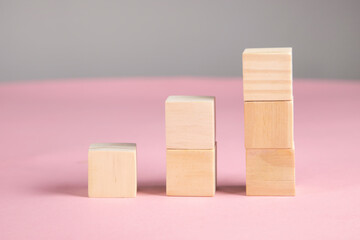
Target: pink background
46, 128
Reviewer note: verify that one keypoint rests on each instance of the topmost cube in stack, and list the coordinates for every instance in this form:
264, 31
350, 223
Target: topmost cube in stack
190, 122
267, 74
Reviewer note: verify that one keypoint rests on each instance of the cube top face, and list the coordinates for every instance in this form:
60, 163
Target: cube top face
112, 147
112, 170
179, 98
191, 173
190, 122
267, 74
270, 164
283, 50
269, 124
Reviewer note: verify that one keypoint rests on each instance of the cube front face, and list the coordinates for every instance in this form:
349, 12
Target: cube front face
112, 172
190, 172
270, 165
190, 122
270, 188
269, 124
267, 74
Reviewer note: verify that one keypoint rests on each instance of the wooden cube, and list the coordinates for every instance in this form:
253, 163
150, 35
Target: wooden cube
267, 74
270, 188
269, 124
270, 164
112, 170
190, 122
190, 172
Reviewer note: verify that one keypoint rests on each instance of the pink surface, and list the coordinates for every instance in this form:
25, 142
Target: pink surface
46, 129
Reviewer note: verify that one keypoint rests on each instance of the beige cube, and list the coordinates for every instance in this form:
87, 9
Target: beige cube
267, 74
269, 124
270, 165
112, 170
190, 122
191, 172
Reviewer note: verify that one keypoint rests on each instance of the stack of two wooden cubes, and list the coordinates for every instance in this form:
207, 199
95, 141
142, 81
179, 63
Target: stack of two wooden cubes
190, 146
270, 163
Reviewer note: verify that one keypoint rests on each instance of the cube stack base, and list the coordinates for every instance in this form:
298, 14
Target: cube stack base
270, 172
190, 172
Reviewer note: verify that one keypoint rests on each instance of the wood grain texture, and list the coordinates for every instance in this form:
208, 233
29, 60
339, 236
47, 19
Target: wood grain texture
270, 188
267, 74
270, 165
190, 172
269, 124
190, 122
112, 170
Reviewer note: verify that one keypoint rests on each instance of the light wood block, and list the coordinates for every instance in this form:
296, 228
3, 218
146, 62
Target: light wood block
270, 188
270, 165
112, 170
269, 124
190, 172
267, 74
190, 122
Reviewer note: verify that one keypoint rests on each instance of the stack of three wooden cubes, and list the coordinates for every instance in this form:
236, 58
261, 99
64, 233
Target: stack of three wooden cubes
270, 162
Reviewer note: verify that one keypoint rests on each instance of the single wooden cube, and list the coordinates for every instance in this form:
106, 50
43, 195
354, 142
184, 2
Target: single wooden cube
270, 188
269, 124
270, 164
190, 172
112, 170
267, 74
190, 122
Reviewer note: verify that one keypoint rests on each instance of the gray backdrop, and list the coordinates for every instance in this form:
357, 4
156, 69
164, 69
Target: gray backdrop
83, 38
